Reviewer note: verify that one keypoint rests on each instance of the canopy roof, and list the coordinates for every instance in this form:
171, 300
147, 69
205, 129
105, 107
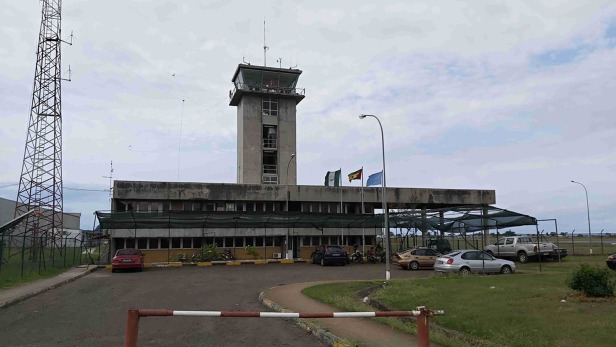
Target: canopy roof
10, 225
457, 219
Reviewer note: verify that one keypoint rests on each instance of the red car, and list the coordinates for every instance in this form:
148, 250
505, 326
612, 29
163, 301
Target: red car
128, 258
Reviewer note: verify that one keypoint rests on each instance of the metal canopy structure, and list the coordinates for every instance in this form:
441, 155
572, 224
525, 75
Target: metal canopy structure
455, 220
9, 227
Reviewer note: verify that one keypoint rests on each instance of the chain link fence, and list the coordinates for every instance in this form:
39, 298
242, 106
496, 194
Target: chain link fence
26, 258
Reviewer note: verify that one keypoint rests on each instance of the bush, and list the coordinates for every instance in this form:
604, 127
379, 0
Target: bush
592, 281
252, 252
208, 253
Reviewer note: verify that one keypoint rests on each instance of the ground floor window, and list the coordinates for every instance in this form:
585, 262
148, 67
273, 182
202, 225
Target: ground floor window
228, 242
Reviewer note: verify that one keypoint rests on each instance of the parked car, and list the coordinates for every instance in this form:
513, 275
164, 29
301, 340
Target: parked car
524, 248
465, 262
329, 254
611, 261
416, 258
440, 245
127, 258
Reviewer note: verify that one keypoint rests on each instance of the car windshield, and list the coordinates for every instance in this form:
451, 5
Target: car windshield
334, 249
128, 252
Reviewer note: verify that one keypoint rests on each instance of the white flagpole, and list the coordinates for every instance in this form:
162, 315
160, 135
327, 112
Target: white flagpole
341, 209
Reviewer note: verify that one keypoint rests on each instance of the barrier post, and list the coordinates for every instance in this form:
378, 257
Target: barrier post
132, 329
423, 327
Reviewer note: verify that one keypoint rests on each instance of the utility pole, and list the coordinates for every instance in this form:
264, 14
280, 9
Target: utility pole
40, 185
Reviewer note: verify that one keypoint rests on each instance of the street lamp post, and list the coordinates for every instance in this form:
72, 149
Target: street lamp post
588, 213
287, 199
386, 213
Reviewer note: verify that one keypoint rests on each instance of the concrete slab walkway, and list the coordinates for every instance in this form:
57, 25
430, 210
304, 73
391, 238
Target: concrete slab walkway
20, 293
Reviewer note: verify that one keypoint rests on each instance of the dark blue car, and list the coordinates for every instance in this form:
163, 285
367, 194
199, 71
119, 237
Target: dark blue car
329, 254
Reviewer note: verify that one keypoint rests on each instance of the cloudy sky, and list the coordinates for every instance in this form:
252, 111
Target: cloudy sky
516, 96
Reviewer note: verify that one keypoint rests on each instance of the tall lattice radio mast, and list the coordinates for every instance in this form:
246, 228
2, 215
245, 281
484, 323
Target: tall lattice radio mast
40, 185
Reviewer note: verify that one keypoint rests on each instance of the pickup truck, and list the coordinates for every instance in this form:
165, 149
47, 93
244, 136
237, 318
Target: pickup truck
524, 248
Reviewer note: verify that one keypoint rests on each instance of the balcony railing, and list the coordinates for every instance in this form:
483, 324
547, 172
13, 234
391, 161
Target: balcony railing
270, 143
266, 89
270, 169
269, 179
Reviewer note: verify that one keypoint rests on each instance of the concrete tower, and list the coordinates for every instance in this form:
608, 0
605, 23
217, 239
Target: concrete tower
266, 100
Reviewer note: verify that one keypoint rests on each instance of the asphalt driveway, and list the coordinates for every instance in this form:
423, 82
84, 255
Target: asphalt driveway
92, 310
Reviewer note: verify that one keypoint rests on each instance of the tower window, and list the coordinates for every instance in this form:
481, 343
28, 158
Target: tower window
269, 136
270, 106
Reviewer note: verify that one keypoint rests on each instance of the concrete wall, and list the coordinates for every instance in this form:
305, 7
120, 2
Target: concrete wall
249, 134
287, 135
250, 120
396, 197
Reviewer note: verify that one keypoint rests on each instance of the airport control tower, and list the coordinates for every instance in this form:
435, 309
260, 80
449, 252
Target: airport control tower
266, 100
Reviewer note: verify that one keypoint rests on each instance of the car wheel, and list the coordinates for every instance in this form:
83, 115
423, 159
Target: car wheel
464, 271
322, 261
113, 270
413, 265
523, 257
506, 269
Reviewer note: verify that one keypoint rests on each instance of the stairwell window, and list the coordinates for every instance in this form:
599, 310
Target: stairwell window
270, 106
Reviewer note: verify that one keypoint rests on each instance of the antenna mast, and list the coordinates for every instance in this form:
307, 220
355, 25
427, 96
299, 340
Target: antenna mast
110, 184
265, 48
40, 185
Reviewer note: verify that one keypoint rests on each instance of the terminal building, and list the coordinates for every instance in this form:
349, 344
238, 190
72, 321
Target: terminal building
265, 209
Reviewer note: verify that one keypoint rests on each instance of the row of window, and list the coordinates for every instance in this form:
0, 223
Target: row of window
316, 207
229, 242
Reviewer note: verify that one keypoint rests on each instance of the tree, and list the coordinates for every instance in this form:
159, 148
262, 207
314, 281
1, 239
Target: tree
509, 233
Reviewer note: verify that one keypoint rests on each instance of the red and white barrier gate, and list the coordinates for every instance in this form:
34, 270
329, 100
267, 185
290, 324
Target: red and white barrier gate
422, 314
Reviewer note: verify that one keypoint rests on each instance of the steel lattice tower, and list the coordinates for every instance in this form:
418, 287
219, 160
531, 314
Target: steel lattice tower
40, 185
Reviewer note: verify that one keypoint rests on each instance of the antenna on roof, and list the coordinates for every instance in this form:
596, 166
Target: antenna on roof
279, 61
244, 60
265, 48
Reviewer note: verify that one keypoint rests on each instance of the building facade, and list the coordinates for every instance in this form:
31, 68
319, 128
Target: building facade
266, 100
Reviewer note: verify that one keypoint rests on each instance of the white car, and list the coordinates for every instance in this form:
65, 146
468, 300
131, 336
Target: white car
469, 261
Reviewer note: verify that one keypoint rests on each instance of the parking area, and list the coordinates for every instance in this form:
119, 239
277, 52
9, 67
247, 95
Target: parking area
92, 310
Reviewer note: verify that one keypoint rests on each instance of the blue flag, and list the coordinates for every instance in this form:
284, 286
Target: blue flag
375, 179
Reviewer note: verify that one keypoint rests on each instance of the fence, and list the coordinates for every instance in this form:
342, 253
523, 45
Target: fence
27, 257
422, 314
574, 243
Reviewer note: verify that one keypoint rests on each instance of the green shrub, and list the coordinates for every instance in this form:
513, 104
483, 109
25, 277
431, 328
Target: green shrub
592, 281
208, 253
252, 252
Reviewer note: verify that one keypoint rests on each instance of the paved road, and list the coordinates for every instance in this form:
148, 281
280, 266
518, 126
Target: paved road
92, 310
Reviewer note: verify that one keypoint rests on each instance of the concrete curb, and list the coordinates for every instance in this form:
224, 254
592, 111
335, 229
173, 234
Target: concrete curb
24, 297
220, 263
320, 333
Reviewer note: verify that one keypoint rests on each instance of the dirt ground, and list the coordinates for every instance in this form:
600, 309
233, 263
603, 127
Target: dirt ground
92, 310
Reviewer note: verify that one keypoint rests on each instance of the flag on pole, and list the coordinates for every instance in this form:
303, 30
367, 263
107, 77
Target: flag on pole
356, 175
332, 178
375, 179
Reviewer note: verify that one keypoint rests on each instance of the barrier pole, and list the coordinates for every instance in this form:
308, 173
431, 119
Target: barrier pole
132, 329
423, 328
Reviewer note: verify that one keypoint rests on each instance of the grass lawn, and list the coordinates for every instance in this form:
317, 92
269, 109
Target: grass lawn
11, 271
517, 310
